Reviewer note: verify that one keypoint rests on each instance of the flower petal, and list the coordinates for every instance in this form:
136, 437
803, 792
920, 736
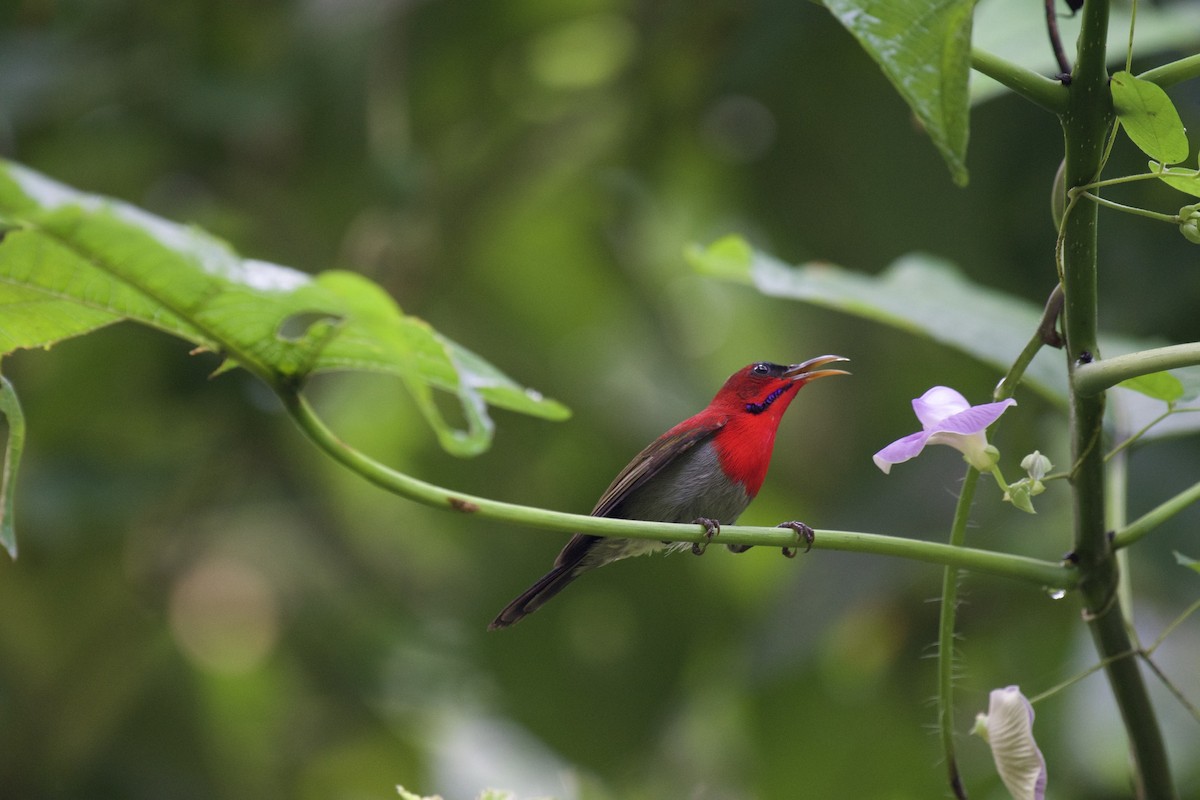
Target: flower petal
900, 450
1009, 726
937, 404
974, 419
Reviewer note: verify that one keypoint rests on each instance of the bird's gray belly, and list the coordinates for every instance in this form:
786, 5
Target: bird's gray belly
691, 487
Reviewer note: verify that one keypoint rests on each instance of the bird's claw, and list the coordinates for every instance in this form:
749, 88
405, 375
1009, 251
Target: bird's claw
711, 529
801, 530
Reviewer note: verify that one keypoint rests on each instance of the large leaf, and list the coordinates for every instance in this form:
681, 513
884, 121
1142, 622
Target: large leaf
74, 262
1016, 31
929, 297
924, 48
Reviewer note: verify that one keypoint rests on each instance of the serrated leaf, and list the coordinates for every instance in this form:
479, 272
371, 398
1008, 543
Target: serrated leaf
927, 296
1158, 385
1149, 117
924, 48
14, 445
1183, 560
1181, 178
79, 262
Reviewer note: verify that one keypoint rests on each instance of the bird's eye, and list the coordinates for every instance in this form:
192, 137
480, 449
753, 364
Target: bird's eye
761, 369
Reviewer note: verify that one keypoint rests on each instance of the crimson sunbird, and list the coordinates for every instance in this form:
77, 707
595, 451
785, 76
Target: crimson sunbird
706, 470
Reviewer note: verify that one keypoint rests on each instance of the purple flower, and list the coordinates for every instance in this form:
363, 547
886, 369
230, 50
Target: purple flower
1008, 730
947, 418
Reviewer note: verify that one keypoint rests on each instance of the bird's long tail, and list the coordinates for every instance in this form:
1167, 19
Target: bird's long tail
532, 598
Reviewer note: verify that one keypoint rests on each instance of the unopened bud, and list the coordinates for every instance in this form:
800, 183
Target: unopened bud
1020, 494
1037, 466
1189, 224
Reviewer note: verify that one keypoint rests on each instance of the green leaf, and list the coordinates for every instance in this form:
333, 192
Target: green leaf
927, 296
730, 257
1181, 178
1149, 117
79, 262
921, 294
1159, 385
924, 48
1183, 560
14, 445
407, 795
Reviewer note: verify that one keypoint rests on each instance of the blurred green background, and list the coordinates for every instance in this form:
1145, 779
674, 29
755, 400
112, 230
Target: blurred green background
205, 607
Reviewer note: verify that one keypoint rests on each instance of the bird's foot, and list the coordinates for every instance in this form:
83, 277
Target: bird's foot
802, 530
711, 529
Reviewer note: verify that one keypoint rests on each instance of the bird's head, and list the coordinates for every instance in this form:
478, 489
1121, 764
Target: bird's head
763, 386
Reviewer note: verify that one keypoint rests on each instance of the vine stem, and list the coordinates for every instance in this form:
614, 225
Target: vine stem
1086, 126
1176, 72
1045, 92
1173, 219
946, 628
1156, 516
1032, 570
1098, 375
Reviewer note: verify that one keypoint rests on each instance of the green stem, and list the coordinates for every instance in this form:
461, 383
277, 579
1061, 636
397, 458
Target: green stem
1045, 92
1074, 679
1046, 333
1140, 176
946, 628
1086, 124
1173, 219
1007, 386
1156, 516
1176, 72
1133, 438
1032, 570
1179, 696
1175, 623
13, 423
1092, 378
1117, 514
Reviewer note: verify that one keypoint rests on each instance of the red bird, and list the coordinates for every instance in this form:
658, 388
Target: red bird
706, 470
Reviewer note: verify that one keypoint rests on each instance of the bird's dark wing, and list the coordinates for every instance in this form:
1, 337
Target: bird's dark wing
646, 464
642, 468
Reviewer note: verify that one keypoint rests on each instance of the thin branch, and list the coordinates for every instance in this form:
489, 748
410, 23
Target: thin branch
1172, 219
1064, 66
1175, 623
1074, 679
1185, 69
1171, 687
1032, 570
1038, 89
1134, 437
1156, 516
1091, 379
946, 627
1045, 334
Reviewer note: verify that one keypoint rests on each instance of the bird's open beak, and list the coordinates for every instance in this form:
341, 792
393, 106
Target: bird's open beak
809, 371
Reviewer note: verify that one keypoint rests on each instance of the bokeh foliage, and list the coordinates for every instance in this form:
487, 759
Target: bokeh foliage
204, 607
